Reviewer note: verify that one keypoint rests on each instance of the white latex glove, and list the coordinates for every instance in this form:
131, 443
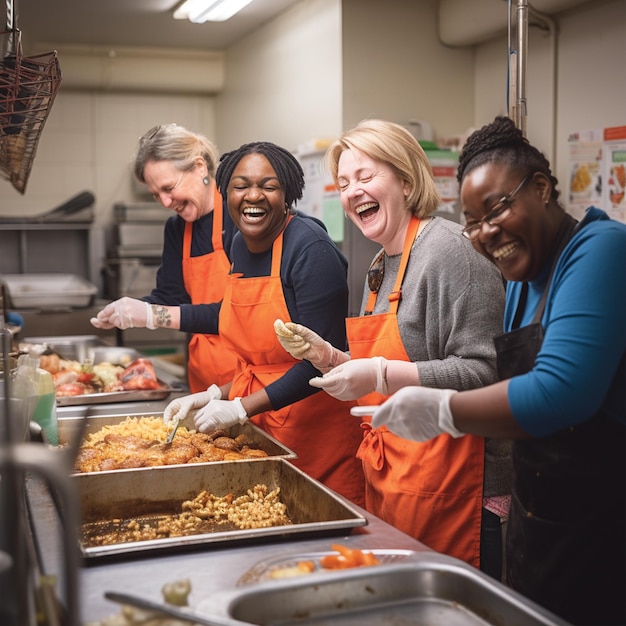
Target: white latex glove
303, 343
417, 413
354, 379
179, 408
220, 414
125, 313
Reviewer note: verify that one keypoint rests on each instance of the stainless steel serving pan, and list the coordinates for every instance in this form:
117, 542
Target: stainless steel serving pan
426, 589
69, 426
136, 395
313, 508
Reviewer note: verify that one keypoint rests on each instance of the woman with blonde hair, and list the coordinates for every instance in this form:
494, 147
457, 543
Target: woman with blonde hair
430, 309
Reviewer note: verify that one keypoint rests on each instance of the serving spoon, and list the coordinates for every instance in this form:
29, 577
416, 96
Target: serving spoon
167, 609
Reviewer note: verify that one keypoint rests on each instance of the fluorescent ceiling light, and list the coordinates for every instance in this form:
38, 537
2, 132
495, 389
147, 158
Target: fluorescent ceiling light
198, 11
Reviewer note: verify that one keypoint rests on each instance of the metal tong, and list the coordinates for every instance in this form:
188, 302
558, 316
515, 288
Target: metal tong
176, 424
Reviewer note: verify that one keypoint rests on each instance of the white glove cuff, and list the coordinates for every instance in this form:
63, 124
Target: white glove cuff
215, 391
446, 422
150, 325
241, 412
381, 375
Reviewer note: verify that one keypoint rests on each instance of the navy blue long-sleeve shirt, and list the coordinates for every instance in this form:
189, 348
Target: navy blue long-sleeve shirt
313, 273
170, 286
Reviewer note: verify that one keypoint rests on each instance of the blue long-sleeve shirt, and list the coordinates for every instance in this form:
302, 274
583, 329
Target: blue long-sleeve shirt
580, 369
313, 273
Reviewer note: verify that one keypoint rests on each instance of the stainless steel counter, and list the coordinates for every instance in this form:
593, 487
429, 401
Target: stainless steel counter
210, 570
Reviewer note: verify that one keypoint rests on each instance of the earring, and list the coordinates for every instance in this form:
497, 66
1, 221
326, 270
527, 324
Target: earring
205, 180
286, 208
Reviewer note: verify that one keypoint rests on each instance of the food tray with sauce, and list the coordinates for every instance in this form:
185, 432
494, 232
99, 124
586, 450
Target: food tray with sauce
314, 510
69, 426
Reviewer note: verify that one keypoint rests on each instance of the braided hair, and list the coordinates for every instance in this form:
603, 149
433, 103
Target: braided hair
287, 168
501, 141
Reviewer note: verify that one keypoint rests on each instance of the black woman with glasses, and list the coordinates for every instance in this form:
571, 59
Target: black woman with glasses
561, 394
178, 167
430, 309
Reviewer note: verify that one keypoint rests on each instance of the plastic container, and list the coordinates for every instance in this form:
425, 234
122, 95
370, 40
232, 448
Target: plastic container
30, 379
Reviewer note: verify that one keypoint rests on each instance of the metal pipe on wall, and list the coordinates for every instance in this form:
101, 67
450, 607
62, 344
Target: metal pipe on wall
518, 52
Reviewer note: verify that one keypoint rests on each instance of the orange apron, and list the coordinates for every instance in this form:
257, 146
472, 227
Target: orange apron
205, 281
319, 429
432, 490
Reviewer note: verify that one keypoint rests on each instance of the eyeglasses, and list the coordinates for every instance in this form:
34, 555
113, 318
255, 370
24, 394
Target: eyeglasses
168, 190
500, 212
376, 272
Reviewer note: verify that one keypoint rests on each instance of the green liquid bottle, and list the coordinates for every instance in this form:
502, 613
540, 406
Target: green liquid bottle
35, 382
45, 413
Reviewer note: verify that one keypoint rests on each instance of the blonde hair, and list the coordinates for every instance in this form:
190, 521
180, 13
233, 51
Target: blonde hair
394, 145
171, 142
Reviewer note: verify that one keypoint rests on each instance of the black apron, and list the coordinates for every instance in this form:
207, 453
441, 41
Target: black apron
565, 544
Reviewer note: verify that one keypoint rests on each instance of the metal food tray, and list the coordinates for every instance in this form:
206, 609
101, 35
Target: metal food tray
136, 395
70, 347
89, 348
48, 290
426, 589
266, 569
68, 426
312, 507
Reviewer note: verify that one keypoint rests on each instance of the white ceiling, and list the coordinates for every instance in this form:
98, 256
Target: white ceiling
134, 23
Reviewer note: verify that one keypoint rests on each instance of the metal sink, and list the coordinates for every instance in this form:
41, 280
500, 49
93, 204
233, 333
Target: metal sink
428, 589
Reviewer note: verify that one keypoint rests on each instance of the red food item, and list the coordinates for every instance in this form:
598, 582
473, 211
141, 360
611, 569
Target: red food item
347, 558
85, 377
73, 389
140, 375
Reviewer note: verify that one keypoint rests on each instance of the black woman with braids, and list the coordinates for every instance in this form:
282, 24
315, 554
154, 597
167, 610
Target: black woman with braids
561, 394
283, 264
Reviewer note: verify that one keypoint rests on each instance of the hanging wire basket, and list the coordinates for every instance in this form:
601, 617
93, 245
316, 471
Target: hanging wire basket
28, 86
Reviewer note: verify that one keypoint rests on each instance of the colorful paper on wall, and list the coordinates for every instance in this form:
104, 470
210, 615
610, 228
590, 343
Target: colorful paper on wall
598, 172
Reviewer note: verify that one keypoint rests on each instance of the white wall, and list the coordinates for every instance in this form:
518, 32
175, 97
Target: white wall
590, 85
283, 83
395, 67
318, 69
88, 144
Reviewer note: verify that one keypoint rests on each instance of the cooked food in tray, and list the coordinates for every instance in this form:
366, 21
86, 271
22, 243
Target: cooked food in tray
339, 558
343, 557
141, 442
144, 494
257, 508
73, 378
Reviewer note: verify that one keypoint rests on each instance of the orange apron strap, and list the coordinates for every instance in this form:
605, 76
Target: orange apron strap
396, 294
218, 220
277, 250
187, 240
